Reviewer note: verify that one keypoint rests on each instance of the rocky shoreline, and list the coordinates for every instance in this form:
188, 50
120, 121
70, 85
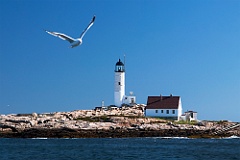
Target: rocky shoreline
78, 133
115, 123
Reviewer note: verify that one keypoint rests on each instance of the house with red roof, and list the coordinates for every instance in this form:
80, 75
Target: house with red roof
169, 107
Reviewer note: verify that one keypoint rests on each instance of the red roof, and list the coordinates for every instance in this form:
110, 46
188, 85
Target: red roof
163, 102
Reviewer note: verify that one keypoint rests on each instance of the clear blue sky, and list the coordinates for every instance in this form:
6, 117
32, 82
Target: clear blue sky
180, 47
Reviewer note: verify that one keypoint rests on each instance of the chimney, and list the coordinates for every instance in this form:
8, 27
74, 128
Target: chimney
161, 97
171, 95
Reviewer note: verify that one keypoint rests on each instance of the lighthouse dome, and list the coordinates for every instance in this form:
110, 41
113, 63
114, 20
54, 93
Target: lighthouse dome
119, 63
119, 67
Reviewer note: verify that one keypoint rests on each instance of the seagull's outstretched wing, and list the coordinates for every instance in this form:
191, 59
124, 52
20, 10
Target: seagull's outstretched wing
90, 24
62, 36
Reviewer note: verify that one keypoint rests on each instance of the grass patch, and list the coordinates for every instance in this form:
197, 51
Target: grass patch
186, 122
95, 119
222, 122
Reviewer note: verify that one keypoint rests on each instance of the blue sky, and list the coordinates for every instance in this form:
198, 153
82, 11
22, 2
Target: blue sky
180, 47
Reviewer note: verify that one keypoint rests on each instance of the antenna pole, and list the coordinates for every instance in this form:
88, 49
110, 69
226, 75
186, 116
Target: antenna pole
124, 61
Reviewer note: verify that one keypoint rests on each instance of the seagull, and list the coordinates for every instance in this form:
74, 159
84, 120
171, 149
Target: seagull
74, 41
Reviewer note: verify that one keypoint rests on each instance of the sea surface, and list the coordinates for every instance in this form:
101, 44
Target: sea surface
120, 149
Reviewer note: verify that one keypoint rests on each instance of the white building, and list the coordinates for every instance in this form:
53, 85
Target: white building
164, 107
119, 87
189, 116
129, 100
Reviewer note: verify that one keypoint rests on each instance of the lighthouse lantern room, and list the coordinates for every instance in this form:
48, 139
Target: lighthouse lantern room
119, 84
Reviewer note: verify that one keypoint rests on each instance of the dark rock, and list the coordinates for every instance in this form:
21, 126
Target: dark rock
117, 133
17, 121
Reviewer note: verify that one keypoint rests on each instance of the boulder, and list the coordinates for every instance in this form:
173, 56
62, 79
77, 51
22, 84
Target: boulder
34, 115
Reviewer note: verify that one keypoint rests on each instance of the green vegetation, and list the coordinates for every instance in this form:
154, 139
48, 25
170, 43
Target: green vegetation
95, 119
186, 122
132, 117
222, 122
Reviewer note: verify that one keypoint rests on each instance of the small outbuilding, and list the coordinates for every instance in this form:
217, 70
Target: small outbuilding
129, 100
189, 116
169, 107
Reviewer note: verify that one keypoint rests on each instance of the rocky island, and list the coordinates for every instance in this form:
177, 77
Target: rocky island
110, 122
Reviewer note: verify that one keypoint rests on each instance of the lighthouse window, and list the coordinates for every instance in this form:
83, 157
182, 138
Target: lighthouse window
119, 83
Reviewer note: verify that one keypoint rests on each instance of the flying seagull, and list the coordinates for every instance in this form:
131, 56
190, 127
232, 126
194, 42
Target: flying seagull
74, 41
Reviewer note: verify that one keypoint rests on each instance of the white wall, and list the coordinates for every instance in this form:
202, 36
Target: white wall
152, 113
119, 88
179, 109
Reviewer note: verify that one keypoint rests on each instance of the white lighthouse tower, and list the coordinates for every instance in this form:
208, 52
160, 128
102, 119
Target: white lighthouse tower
119, 84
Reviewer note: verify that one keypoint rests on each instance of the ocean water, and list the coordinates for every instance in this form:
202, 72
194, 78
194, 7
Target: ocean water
120, 149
